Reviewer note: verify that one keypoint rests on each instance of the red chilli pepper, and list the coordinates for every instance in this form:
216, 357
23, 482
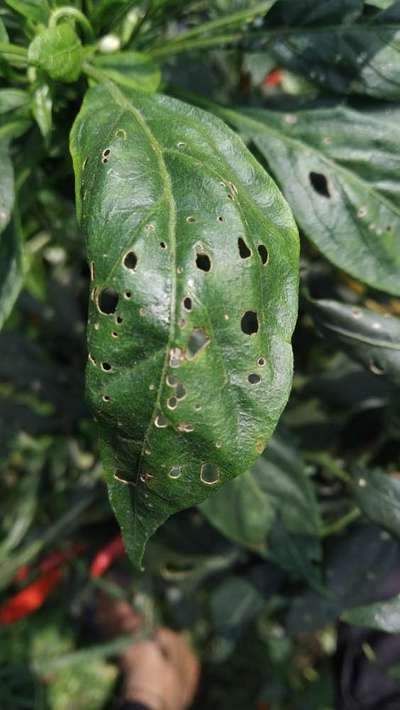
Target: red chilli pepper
106, 556
274, 78
29, 599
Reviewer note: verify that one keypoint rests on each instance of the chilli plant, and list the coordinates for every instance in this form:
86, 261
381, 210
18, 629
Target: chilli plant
159, 160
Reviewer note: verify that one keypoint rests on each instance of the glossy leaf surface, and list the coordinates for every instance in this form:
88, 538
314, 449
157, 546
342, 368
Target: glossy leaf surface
378, 495
371, 338
338, 169
337, 46
383, 616
131, 69
58, 52
194, 261
276, 486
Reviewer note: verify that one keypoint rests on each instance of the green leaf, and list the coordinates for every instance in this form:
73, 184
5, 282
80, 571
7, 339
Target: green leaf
58, 52
327, 45
36, 11
14, 114
383, 616
3, 32
6, 186
131, 69
297, 554
245, 509
338, 169
378, 495
190, 321
355, 564
11, 269
42, 109
370, 338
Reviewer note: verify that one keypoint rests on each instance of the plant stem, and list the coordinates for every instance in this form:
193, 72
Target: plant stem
171, 49
341, 523
77, 15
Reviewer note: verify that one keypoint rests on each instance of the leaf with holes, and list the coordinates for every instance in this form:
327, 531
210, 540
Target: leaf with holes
194, 263
338, 168
370, 338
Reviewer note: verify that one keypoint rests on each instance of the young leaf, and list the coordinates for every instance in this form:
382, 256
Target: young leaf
338, 168
194, 261
6, 186
131, 69
383, 616
368, 337
245, 509
58, 52
34, 10
11, 269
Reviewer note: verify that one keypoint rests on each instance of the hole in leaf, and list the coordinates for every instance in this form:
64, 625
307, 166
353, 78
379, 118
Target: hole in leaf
163, 245
175, 472
119, 319
320, 184
172, 381
114, 334
203, 262
128, 294
209, 474
197, 342
249, 323
118, 476
254, 379
160, 421
106, 398
105, 154
261, 362
180, 391
130, 260
175, 357
376, 369
107, 301
263, 252
172, 403
190, 219
220, 219
197, 407
185, 427
187, 302
106, 366
120, 133
244, 250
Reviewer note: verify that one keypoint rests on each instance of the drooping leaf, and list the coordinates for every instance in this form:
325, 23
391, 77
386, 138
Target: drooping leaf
6, 187
245, 509
336, 47
58, 52
338, 169
383, 616
193, 254
370, 338
34, 10
356, 565
11, 269
131, 69
378, 495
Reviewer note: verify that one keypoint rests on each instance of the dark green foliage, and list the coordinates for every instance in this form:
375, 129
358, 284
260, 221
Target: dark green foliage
179, 281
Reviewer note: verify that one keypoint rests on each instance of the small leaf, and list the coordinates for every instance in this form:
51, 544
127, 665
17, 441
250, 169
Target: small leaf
6, 187
368, 337
382, 616
11, 269
42, 109
58, 52
245, 508
189, 342
378, 495
338, 169
131, 69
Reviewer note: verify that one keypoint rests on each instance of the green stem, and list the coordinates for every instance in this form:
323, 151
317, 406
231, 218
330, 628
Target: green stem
329, 464
171, 49
341, 523
77, 15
